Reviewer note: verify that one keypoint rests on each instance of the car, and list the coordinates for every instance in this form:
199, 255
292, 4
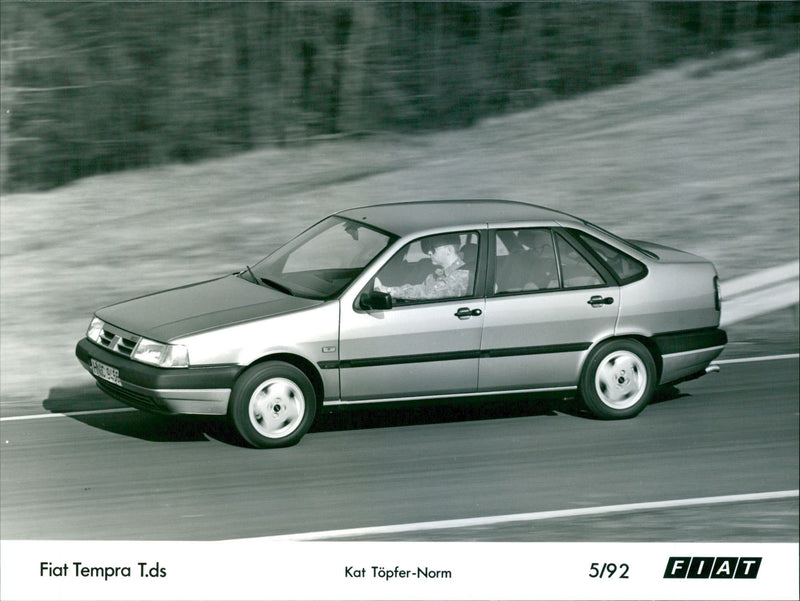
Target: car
441, 299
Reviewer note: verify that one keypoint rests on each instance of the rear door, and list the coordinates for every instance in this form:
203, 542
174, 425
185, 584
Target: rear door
549, 301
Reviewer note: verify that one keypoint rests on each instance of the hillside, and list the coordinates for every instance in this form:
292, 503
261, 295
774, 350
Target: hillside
703, 157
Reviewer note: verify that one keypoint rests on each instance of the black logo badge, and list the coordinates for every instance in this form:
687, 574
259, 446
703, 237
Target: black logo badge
712, 567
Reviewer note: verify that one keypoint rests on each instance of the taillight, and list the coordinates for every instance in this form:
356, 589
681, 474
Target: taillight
717, 303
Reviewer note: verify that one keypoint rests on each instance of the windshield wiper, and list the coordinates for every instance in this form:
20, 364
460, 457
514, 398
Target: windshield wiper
277, 286
252, 275
267, 283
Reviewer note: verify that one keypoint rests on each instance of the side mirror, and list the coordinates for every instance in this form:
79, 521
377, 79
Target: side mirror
375, 301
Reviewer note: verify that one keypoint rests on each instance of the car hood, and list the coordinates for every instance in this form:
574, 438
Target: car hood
179, 312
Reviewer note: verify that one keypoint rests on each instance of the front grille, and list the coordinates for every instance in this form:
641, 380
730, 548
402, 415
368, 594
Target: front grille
117, 340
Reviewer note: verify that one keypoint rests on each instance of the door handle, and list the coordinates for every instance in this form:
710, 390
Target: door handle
465, 312
598, 300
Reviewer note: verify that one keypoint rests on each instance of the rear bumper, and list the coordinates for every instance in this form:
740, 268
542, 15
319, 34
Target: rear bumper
687, 354
194, 390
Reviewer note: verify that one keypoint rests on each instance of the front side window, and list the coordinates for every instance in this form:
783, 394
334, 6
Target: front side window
436, 267
323, 260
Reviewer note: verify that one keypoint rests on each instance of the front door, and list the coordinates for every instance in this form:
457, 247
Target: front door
428, 343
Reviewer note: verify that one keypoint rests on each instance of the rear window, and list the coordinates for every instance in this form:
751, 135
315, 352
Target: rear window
630, 243
626, 268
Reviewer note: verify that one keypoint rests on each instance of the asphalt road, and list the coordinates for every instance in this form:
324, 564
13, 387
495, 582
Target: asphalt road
132, 476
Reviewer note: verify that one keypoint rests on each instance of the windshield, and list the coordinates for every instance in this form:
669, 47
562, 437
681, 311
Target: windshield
323, 260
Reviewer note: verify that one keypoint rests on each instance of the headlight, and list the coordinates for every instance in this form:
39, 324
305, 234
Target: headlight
95, 330
162, 355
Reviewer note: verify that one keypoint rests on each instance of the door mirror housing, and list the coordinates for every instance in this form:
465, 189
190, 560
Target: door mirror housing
375, 301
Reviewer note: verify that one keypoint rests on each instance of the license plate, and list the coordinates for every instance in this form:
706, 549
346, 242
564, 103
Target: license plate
110, 374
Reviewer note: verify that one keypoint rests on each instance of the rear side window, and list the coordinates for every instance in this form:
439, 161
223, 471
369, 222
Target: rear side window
626, 268
524, 261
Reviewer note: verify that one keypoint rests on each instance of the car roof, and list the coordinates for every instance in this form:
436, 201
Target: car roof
403, 218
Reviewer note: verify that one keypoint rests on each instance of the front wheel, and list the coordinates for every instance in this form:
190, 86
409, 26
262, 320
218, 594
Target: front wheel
618, 379
272, 405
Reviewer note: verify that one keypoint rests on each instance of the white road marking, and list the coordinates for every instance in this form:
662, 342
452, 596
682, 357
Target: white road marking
71, 414
100, 411
528, 517
754, 359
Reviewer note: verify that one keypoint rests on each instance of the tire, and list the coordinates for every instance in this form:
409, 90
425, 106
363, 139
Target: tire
618, 379
272, 405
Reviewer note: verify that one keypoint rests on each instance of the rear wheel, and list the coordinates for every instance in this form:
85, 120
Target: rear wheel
273, 405
618, 379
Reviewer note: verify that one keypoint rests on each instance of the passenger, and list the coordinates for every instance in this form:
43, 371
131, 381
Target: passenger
448, 280
536, 267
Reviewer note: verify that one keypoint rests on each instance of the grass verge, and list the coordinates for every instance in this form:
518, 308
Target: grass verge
709, 165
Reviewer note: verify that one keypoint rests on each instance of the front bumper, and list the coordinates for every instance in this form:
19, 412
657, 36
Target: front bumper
194, 390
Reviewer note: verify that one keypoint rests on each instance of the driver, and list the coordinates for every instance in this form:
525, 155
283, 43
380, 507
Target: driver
447, 280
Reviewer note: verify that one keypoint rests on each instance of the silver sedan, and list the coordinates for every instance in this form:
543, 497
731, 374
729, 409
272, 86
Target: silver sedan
409, 301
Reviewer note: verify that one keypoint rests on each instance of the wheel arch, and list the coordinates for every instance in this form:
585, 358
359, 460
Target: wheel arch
646, 341
301, 363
